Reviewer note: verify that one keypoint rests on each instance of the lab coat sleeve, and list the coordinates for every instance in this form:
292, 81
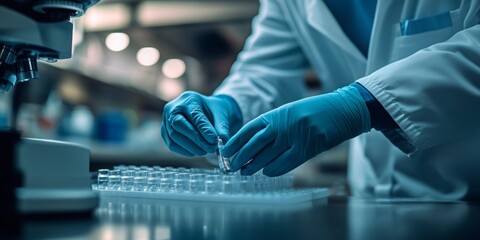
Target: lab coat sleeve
270, 69
434, 94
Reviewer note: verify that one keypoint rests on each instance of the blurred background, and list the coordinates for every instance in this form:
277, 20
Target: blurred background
130, 58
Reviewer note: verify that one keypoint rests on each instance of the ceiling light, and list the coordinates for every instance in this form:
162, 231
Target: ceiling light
173, 68
117, 41
107, 17
167, 13
148, 56
169, 89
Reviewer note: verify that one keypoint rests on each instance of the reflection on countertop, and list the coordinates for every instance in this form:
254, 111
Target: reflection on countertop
130, 218
339, 218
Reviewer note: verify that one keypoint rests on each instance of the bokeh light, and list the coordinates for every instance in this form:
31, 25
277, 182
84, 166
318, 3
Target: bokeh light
173, 68
169, 89
148, 56
117, 41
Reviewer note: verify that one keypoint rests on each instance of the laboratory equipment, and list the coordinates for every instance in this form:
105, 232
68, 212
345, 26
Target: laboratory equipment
204, 185
55, 178
50, 176
32, 30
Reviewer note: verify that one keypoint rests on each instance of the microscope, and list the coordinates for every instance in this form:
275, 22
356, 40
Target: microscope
39, 176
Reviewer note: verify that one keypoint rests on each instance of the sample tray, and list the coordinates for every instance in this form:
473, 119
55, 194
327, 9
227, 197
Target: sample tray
201, 185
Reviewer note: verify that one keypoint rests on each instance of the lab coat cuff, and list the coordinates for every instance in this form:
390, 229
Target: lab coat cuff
402, 136
380, 119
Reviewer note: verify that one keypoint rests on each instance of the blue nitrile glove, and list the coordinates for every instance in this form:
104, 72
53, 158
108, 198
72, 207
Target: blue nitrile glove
192, 122
282, 139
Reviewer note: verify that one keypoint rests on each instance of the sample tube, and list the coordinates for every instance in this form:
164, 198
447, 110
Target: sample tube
213, 184
223, 162
127, 180
166, 182
114, 180
103, 179
197, 183
153, 181
231, 184
140, 181
180, 184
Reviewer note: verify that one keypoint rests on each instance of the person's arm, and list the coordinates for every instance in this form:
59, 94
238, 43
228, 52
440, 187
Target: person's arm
267, 74
434, 94
283, 138
269, 71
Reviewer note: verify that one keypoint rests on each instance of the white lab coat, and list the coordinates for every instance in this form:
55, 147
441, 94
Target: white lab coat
429, 82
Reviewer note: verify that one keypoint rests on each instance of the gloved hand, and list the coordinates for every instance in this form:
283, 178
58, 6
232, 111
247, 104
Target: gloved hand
192, 122
282, 139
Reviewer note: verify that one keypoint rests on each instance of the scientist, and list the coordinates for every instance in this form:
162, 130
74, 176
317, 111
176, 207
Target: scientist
402, 80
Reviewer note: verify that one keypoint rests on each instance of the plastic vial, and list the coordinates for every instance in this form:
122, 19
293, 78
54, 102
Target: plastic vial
132, 167
144, 168
120, 167
223, 162
274, 183
102, 179
213, 184
197, 183
183, 170
126, 180
114, 180
166, 182
229, 184
153, 181
259, 183
180, 184
140, 181
248, 185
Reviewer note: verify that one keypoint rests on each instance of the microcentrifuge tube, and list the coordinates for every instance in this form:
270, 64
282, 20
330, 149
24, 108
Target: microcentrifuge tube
140, 181
126, 180
223, 162
103, 179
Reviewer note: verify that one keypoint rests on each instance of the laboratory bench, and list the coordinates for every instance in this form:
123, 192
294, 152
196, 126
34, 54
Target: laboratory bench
333, 218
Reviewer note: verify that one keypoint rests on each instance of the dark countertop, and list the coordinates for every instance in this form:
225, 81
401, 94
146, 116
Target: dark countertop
339, 218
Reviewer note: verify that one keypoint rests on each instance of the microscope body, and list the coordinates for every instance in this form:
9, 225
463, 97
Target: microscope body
25, 42
42, 176
32, 30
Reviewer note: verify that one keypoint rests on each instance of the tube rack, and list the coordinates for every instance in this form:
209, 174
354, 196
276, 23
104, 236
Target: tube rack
196, 184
